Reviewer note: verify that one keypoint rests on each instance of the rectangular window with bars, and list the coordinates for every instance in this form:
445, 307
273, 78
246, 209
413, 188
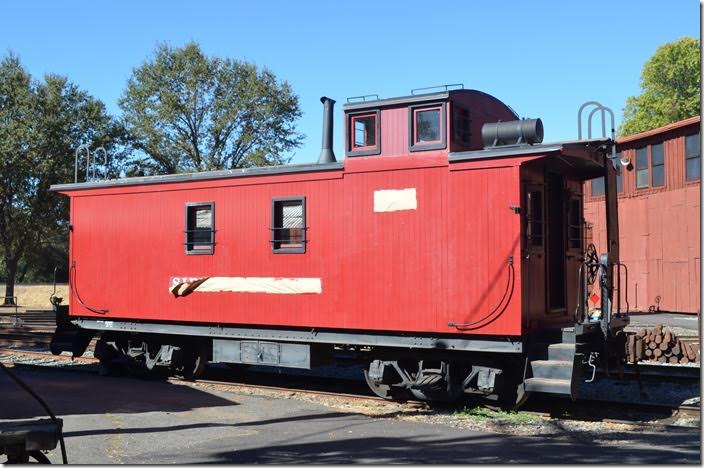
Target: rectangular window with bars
692, 156
657, 160
642, 173
288, 230
200, 228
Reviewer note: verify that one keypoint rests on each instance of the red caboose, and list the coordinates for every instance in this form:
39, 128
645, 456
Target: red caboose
446, 250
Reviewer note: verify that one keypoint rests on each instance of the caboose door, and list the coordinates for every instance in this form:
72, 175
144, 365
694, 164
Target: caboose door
533, 258
556, 246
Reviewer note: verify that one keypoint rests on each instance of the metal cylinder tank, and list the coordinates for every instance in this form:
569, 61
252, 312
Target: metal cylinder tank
515, 132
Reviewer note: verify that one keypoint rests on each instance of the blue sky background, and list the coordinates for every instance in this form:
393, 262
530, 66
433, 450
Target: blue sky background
543, 58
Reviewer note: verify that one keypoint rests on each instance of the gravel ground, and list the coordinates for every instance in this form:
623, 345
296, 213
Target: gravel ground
496, 422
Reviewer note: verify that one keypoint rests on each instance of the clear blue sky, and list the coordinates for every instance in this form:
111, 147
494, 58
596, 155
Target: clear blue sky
543, 58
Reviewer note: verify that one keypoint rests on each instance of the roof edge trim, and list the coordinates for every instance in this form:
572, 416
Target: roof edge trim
199, 176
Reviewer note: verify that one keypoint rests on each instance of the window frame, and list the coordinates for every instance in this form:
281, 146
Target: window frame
698, 156
530, 247
350, 150
647, 167
580, 226
619, 175
653, 166
273, 228
602, 192
414, 146
193, 205
456, 110
602, 179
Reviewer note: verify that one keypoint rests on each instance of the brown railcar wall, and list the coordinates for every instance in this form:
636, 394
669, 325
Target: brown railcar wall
659, 226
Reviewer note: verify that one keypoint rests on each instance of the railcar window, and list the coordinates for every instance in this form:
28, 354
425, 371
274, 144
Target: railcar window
460, 125
597, 187
535, 218
657, 158
364, 136
642, 175
200, 228
574, 224
427, 126
363, 133
289, 225
693, 159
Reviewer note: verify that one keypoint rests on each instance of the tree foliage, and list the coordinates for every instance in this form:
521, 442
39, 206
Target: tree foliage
670, 84
41, 125
189, 112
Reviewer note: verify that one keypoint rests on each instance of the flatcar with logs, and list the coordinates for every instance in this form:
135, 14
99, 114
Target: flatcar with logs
446, 251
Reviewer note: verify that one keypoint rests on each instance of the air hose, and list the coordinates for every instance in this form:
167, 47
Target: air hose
510, 283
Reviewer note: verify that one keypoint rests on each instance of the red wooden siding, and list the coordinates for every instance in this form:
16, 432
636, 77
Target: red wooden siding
412, 270
659, 227
394, 131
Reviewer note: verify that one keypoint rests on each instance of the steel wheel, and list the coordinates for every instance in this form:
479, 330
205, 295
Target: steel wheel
387, 392
194, 360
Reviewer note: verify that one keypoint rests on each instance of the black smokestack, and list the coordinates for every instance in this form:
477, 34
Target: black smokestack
326, 154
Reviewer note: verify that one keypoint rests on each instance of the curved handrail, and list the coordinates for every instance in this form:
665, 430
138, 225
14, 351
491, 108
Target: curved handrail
75, 164
105, 161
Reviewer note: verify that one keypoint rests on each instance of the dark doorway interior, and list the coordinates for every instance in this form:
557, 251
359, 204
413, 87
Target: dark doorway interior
556, 243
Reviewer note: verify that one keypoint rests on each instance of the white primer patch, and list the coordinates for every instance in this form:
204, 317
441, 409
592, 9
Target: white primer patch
260, 285
395, 200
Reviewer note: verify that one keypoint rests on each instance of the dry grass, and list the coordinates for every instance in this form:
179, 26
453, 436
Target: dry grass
36, 296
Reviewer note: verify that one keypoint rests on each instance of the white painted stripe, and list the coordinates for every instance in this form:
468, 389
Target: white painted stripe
259, 285
395, 200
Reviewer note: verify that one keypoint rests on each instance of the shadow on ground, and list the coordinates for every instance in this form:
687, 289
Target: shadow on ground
475, 448
69, 393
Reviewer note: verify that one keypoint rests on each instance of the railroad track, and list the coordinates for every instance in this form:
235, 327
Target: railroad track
353, 390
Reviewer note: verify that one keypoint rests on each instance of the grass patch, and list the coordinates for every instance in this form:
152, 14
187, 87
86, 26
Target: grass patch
481, 414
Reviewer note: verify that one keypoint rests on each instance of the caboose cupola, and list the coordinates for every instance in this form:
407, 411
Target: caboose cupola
423, 125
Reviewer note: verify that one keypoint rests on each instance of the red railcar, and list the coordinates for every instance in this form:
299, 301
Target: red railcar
447, 260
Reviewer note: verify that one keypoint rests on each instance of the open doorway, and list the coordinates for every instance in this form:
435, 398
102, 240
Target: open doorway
556, 243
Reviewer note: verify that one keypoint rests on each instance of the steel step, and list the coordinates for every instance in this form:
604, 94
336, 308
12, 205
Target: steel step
561, 352
553, 351
552, 370
554, 386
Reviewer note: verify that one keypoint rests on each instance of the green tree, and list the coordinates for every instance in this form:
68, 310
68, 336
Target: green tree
41, 125
670, 88
189, 112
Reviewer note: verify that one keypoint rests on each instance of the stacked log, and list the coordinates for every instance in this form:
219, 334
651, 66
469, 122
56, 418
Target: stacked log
658, 345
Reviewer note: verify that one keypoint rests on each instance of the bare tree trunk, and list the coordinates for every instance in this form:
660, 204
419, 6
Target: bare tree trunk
11, 273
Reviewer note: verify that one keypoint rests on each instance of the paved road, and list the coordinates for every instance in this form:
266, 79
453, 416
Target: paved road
123, 420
